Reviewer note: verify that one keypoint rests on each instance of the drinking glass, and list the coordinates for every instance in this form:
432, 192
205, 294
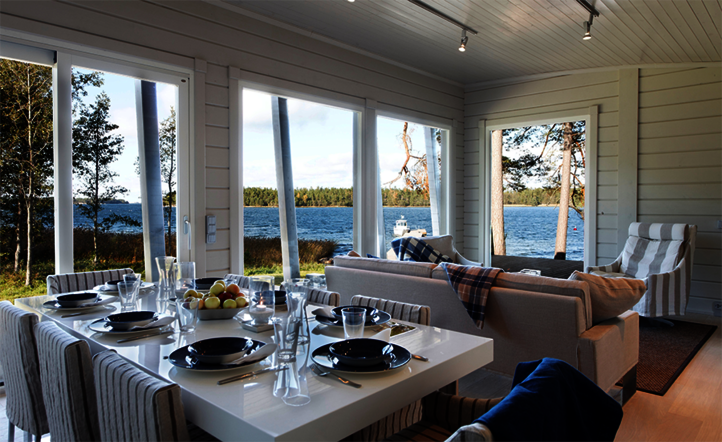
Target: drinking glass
297, 295
133, 278
127, 292
185, 278
187, 314
283, 326
354, 319
166, 273
317, 280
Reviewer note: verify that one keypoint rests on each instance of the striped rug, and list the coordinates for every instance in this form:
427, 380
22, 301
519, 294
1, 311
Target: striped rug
665, 351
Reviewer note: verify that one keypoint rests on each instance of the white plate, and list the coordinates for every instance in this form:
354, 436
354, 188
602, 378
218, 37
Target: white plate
104, 289
99, 326
53, 305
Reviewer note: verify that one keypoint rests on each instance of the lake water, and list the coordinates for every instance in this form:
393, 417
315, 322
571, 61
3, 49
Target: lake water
530, 231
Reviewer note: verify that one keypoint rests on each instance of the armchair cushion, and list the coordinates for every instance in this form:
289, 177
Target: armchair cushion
610, 297
642, 257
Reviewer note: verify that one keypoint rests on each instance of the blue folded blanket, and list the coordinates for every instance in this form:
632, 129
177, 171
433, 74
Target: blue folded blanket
553, 401
410, 248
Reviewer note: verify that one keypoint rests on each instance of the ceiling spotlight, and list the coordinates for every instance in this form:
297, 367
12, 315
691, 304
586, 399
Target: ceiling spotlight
588, 28
464, 39
351, 1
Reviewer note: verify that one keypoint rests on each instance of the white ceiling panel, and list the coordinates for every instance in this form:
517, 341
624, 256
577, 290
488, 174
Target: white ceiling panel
515, 38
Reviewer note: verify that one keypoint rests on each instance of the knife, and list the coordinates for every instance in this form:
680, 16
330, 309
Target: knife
251, 374
147, 335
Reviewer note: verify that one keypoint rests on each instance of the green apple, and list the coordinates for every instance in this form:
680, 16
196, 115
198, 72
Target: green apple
190, 293
241, 302
213, 303
230, 303
217, 289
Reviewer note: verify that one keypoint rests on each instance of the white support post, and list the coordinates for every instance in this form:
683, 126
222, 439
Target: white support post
235, 96
286, 197
63, 160
432, 171
372, 225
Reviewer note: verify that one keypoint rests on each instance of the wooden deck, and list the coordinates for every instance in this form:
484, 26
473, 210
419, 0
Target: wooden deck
554, 268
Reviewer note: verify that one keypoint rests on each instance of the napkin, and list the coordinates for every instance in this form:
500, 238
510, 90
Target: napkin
326, 312
257, 355
160, 322
383, 335
101, 302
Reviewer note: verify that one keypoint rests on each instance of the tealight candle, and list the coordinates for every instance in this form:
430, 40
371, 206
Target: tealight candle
260, 313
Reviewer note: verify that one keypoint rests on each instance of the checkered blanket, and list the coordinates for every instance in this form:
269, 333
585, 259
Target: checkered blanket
472, 285
409, 248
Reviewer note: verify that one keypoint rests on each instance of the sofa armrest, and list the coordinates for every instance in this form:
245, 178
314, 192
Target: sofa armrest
452, 411
609, 268
607, 351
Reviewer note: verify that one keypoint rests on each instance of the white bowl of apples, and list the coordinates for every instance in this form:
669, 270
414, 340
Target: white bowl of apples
220, 302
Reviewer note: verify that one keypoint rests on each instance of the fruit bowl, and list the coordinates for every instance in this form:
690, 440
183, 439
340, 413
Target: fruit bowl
218, 313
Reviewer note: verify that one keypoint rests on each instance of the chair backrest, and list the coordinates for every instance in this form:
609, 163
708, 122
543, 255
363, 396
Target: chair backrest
419, 314
66, 372
654, 248
135, 405
73, 282
320, 296
19, 357
243, 282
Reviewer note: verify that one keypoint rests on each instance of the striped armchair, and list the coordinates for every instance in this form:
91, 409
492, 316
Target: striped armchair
662, 256
320, 296
242, 281
73, 282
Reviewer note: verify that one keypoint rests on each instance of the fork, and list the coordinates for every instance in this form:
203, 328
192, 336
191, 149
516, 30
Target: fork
317, 370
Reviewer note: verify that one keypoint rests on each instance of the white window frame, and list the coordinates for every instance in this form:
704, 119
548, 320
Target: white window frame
591, 117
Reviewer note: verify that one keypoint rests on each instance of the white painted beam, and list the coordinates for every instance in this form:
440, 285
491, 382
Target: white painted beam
63, 160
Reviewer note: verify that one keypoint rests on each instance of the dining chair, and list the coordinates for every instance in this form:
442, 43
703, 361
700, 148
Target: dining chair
243, 282
73, 282
66, 374
136, 405
24, 405
320, 296
409, 414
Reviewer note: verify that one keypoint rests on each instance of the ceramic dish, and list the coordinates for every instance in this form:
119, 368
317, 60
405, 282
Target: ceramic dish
398, 357
102, 326
218, 313
280, 298
361, 352
206, 283
127, 320
381, 318
75, 300
113, 285
182, 358
370, 311
220, 350
53, 305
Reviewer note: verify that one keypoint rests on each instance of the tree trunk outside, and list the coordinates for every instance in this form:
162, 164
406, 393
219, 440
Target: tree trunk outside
497, 195
16, 268
560, 249
29, 260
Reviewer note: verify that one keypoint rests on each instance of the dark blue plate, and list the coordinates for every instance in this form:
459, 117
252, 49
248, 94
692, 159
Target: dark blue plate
220, 350
361, 352
399, 357
182, 358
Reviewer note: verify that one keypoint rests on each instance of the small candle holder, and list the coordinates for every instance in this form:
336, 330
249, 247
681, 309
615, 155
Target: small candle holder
261, 307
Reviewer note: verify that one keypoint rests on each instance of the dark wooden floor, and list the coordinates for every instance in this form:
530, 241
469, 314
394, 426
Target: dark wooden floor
554, 268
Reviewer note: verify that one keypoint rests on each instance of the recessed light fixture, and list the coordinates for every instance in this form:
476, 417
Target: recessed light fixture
464, 39
351, 1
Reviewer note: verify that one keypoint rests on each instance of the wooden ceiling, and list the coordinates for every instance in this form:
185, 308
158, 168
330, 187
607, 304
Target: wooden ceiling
516, 38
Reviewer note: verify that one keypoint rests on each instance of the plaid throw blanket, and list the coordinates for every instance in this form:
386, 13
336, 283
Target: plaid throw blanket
413, 249
472, 285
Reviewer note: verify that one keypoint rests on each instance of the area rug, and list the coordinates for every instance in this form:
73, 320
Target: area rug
665, 351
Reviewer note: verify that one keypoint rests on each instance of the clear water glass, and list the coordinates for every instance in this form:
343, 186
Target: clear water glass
166, 274
187, 314
127, 294
297, 296
185, 278
354, 319
317, 280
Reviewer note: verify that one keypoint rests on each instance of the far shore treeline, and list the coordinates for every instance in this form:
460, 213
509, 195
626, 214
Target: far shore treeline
343, 197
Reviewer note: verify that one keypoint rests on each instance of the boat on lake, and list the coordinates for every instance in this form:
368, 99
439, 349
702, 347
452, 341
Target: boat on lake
401, 227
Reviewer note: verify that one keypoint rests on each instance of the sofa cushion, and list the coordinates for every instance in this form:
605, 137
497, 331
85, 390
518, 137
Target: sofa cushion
611, 296
552, 286
420, 269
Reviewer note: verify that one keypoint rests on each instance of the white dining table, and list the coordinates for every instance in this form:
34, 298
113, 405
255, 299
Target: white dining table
247, 410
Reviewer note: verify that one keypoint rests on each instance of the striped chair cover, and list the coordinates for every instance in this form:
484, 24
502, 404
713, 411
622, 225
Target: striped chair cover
409, 414
662, 255
24, 405
135, 405
66, 372
243, 281
73, 282
445, 414
320, 296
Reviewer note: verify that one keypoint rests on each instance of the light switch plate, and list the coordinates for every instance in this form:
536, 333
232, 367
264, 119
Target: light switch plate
210, 229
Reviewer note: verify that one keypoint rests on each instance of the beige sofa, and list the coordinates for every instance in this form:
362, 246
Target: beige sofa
529, 317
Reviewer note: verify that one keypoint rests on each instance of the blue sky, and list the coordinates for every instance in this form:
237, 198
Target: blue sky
321, 138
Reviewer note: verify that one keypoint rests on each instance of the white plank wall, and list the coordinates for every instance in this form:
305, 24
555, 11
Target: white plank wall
176, 33
533, 99
680, 165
